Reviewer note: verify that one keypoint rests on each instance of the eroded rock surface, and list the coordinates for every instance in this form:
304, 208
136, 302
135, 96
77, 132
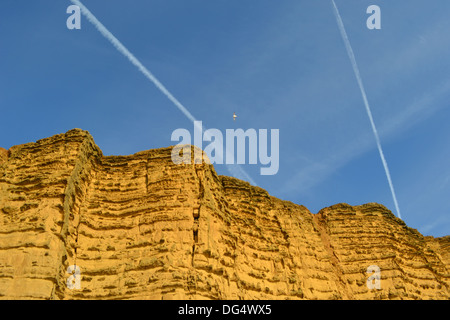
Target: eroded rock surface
142, 227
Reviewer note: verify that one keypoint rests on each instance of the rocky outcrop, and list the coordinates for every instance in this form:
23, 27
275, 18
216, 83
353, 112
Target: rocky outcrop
3, 155
142, 227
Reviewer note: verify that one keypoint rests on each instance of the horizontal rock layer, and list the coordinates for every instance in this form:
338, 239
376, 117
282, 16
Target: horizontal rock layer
142, 227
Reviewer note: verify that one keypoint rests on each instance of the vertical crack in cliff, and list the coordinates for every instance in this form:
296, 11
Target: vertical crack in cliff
74, 196
196, 214
68, 203
196, 210
146, 176
76, 246
335, 263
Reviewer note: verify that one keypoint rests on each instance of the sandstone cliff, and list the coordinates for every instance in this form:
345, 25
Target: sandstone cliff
142, 227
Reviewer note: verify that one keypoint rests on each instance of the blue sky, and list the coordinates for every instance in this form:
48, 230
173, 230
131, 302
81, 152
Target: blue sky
277, 64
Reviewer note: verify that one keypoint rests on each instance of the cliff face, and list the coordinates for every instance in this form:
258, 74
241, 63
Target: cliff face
142, 227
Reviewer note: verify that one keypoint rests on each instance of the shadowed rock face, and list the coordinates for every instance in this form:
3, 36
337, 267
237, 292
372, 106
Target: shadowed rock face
142, 227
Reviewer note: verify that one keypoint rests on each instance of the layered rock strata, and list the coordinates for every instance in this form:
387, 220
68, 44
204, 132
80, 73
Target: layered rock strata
142, 227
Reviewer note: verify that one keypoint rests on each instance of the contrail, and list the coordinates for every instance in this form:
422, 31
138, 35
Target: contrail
122, 49
366, 103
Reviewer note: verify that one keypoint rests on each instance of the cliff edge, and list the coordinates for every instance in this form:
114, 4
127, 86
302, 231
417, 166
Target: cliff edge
142, 227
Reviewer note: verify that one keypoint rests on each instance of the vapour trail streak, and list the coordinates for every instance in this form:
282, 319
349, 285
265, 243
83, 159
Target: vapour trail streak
122, 49
366, 103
